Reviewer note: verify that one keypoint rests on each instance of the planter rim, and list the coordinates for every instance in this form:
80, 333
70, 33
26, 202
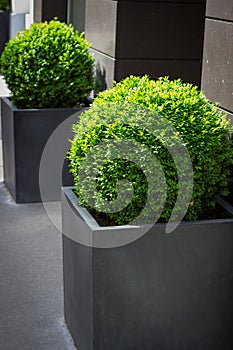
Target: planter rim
14, 108
93, 224
87, 217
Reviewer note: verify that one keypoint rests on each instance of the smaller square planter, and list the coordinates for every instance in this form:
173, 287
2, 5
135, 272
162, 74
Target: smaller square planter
162, 291
24, 135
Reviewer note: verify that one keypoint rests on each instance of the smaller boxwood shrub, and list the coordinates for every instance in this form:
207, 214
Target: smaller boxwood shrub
48, 66
203, 128
4, 5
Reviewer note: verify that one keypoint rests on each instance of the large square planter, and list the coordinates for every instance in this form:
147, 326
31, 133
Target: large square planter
162, 291
25, 133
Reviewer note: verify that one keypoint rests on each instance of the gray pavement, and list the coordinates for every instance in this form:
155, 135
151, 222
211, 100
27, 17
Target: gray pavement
1, 162
31, 285
4, 91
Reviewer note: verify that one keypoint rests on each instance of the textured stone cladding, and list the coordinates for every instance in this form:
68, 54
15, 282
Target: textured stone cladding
217, 71
217, 74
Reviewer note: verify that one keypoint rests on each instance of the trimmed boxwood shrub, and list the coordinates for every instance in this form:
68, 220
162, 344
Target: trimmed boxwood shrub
48, 66
203, 129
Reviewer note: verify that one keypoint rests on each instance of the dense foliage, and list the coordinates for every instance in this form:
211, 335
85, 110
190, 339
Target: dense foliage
203, 129
48, 66
4, 4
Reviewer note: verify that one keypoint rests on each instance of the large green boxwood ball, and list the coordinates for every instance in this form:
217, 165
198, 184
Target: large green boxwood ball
203, 128
48, 66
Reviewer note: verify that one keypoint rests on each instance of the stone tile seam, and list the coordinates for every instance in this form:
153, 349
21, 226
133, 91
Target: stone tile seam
146, 59
225, 109
160, 59
216, 19
103, 53
170, 2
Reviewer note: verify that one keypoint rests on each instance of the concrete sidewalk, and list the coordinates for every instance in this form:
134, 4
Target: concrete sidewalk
31, 281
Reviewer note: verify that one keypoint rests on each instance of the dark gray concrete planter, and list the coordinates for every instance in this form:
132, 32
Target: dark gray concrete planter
24, 135
4, 28
161, 292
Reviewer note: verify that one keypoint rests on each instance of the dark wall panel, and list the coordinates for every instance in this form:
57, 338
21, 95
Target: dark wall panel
48, 9
160, 30
146, 37
109, 69
188, 71
145, 29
